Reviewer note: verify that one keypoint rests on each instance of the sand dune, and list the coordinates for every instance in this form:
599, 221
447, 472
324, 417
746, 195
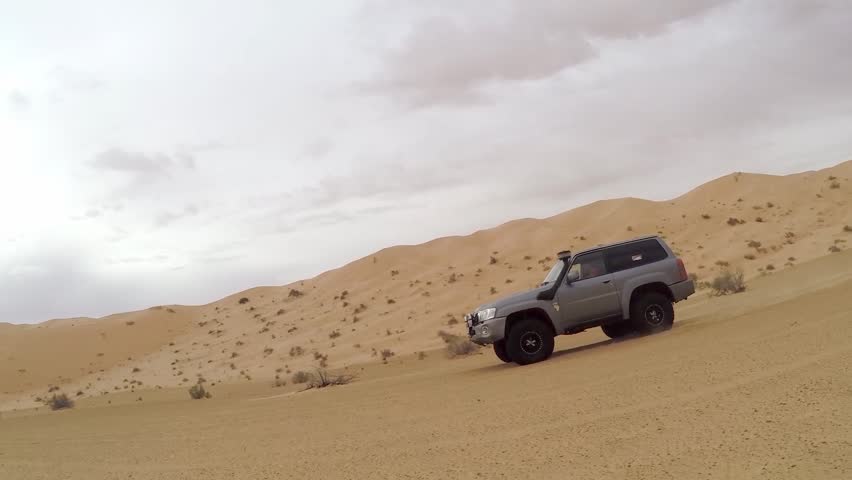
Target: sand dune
754, 385
400, 297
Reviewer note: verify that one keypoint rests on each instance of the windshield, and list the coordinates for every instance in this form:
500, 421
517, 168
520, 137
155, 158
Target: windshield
553, 274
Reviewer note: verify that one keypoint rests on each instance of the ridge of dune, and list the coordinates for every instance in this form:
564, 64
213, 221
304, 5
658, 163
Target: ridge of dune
399, 297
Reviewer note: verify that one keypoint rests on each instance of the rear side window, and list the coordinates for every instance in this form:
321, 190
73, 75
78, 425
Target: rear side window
634, 255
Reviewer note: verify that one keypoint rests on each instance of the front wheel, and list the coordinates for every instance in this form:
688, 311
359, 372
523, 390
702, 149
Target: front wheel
500, 351
651, 313
529, 341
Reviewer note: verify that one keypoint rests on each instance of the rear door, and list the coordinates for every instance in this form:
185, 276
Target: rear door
588, 293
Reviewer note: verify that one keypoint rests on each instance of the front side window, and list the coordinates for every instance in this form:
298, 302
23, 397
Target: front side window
587, 266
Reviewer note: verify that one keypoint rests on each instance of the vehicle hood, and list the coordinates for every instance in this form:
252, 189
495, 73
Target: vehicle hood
514, 299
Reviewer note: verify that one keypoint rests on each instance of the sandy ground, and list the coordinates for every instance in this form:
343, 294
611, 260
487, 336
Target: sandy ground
754, 385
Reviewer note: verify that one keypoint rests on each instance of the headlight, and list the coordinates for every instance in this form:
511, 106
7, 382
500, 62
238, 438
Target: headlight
486, 314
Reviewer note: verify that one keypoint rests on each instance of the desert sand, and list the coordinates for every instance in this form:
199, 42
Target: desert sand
753, 385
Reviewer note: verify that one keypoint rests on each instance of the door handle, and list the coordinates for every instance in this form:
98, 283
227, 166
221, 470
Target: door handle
606, 281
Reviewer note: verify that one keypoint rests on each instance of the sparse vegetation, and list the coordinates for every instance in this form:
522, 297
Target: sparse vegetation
268, 351
294, 293
493, 291
847, 229
297, 351
749, 256
386, 354
770, 267
244, 301
452, 321
59, 402
391, 301
334, 334
421, 355
492, 260
300, 377
834, 185
130, 323
735, 221
321, 379
722, 263
705, 216
197, 392
754, 244
457, 345
834, 249
759, 219
728, 282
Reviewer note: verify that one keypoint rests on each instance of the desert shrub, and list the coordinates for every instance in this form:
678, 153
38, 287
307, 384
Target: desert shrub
394, 273
705, 216
244, 300
452, 321
268, 351
834, 185
728, 282
770, 267
391, 301
386, 354
300, 377
334, 334
130, 323
847, 228
833, 249
296, 351
749, 256
629, 228
457, 345
769, 204
279, 383
136, 370
421, 355
321, 379
693, 277
492, 260
759, 219
59, 402
452, 278
722, 263
295, 293
735, 221
754, 244
197, 392
493, 291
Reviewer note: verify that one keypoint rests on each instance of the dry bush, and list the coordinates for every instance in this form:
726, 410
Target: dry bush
847, 228
295, 293
754, 244
728, 282
279, 383
268, 351
492, 261
300, 377
452, 321
705, 216
391, 301
452, 278
722, 263
735, 221
386, 354
457, 345
296, 351
834, 249
197, 392
493, 291
59, 402
321, 379
244, 300
770, 267
334, 334
759, 219
749, 256
421, 355
834, 185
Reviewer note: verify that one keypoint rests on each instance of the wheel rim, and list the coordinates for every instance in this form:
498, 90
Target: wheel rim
531, 343
654, 314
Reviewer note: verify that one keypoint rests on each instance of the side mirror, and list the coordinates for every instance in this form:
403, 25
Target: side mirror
573, 276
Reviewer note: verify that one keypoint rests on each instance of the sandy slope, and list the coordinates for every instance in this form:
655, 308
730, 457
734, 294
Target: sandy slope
408, 293
755, 385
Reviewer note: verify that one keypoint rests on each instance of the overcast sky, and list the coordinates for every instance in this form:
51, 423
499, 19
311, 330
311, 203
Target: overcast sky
175, 152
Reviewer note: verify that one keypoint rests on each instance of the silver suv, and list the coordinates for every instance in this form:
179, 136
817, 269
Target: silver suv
623, 287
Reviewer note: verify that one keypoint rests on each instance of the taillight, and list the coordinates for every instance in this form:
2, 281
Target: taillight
682, 268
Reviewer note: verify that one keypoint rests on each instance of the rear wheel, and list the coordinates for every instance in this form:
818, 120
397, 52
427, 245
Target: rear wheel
500, 351
529, 341
651, 313
617, 330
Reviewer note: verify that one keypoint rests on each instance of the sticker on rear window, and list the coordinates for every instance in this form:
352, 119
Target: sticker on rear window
637, 258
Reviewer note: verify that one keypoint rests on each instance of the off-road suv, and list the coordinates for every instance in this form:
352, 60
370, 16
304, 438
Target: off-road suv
623, 288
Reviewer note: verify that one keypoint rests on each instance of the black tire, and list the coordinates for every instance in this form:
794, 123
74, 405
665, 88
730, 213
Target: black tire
651, 313
617, 330
500, 351
529, 341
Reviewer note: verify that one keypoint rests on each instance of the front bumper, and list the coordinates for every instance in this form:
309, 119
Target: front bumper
488, 331
682, 290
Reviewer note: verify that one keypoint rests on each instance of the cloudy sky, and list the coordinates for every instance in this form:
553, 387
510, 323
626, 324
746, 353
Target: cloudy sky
175, 152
